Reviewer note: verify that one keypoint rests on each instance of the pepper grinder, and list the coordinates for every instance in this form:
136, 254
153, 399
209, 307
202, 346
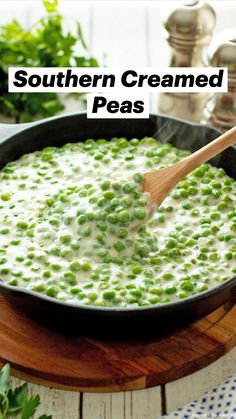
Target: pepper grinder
188, 30
220, 110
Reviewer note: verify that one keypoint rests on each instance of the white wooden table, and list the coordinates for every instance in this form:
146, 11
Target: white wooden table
125, 33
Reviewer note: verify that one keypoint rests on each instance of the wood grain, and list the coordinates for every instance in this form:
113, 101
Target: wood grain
49, 357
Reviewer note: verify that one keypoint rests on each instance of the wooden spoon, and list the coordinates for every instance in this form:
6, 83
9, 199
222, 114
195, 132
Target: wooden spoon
160, 182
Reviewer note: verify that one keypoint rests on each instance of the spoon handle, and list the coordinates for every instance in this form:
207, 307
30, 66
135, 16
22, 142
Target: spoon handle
206, 153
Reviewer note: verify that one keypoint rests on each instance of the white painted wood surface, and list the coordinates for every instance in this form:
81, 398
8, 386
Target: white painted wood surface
192, 387
124, 33
139, 404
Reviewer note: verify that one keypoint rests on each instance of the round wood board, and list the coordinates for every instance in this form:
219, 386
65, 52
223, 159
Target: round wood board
48, 357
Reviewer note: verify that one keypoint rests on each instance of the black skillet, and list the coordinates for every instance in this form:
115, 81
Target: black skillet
16, 140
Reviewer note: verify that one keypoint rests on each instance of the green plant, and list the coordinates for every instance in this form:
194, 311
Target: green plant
16, 401
46, 44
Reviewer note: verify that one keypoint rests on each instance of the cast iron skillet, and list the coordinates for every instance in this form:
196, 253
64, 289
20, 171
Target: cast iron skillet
16, 140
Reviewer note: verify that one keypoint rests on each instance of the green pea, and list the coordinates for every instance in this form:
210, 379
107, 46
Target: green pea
101, 202
187, 205
170, 290
122, 233
50, 202
142, 251
138, 177
187, 286
119, 246
136, 292
101, 238
233, 227
64, 198
229, 255
68, 220
75, 290
142, 202
214, 256
216, 194
192, 190
215, 215
156, 291
127, 202
202, 256
54, 221
22, 225
13, 282
161, 218
112, 218
184, 193
203, 288
155, 260
70, 277
127, 188
109, 295
222, 206
171, 243
116, 186
136, 270
87, 232
206, 190
123, 216
5, 231
98, 156
168, 276
47, 274
140, 214
65, 238
176, 194
6, 196
92, 296
102, 253
115, 202
100, 215
123, 143
75, 266
39, 287
56, 266
85, 266
101, 225
4, 271
75, 245
82, 219
105, 185
199, 172
20, 258
108, 195
154, 300
52, 291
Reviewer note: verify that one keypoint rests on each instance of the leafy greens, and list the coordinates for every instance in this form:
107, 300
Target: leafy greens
16, 401
47, 44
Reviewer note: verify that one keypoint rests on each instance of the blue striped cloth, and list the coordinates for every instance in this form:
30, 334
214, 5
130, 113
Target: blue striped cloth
217, 403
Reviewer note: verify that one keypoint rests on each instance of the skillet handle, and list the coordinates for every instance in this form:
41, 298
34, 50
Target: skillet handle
7, 130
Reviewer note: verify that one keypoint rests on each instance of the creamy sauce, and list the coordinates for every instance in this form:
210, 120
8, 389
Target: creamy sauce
67, 218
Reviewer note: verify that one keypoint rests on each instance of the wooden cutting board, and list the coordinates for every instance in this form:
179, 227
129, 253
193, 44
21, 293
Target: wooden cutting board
48, 357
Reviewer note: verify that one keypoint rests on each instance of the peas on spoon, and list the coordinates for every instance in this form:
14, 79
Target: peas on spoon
159, 183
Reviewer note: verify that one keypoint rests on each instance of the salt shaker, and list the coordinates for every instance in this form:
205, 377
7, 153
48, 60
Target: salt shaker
188, 30
220, 110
